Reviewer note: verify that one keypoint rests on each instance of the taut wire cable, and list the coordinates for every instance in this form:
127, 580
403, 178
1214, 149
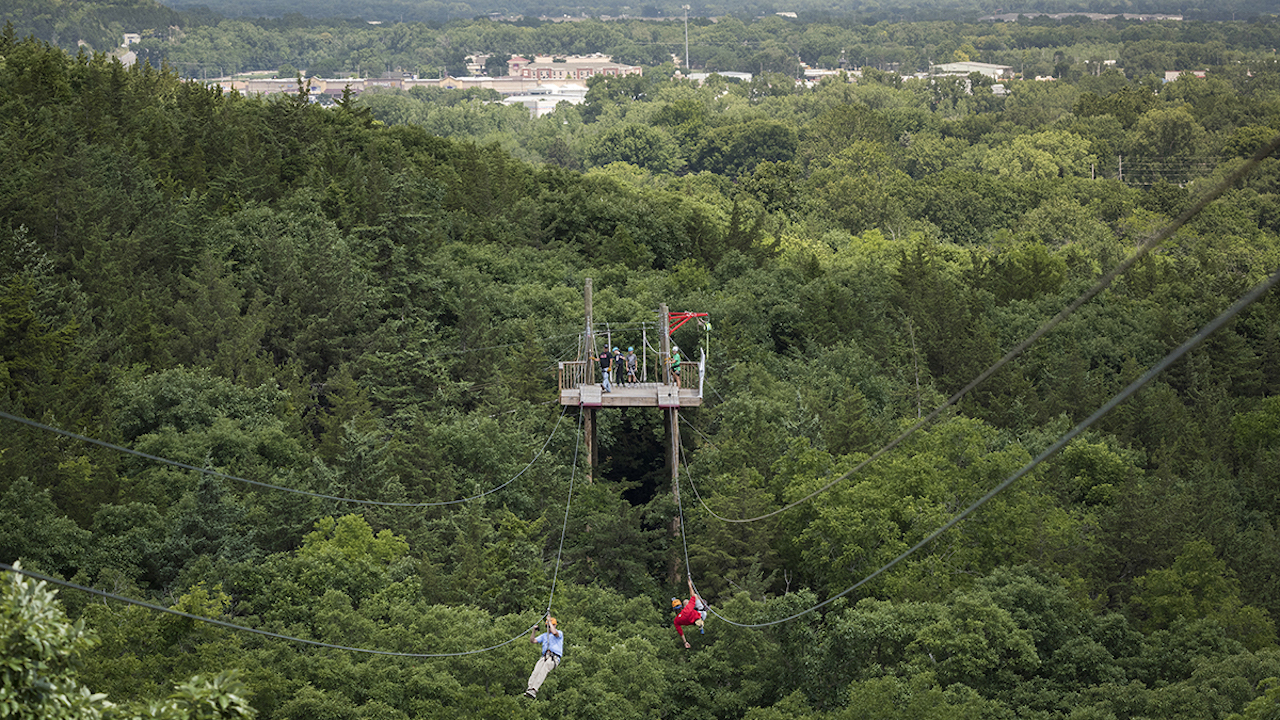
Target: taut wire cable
303, 641
269, 486
1145, 247
1245, 300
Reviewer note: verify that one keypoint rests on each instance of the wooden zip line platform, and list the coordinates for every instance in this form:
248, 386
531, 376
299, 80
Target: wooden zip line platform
635, 395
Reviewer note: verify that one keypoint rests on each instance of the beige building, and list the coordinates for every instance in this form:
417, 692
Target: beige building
576, 67
994, 72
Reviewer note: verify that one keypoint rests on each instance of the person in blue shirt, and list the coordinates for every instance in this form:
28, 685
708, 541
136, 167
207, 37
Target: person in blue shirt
552, 642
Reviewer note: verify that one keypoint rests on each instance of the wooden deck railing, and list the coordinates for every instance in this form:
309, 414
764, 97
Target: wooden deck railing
575, 373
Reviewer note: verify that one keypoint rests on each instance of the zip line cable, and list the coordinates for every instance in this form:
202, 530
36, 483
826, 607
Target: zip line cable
698, 495
242, 628
316, 643
282, 488
1102, 284
564, 529
1246, 300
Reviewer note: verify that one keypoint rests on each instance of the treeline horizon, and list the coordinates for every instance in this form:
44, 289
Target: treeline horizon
200, 43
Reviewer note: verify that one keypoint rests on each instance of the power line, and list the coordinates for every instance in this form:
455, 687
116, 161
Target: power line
1089, 294
270, 486
1119, 397
316, 643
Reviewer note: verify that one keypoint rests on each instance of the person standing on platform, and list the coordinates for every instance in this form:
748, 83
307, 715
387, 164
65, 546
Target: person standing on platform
606, 361
675, 364
632, 366
618, 377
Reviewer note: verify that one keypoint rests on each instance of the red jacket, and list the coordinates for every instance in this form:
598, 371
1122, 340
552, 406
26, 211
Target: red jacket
688, 615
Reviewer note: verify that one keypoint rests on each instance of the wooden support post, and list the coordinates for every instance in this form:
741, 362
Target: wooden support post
589, 418
673, 457
673, 450
589, 430
673, 432
664, 345
590, 337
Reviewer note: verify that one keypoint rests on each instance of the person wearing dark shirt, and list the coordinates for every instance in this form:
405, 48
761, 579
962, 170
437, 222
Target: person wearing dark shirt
606, 362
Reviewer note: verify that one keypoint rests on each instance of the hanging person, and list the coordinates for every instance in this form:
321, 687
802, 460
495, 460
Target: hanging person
689, 614
552, 642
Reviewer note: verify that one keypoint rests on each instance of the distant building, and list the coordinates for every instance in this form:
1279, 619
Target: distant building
817, 74
1142, 17
701, 77
543, 99
270, 86
575, 67
1171, 75
130, 39
539, 84
995, 72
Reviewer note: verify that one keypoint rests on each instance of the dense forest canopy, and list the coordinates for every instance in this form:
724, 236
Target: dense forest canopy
370, 301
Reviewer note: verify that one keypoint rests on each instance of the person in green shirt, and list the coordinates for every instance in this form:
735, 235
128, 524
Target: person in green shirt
675, 364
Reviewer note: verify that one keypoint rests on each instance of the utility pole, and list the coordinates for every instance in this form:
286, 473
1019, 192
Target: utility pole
686, 37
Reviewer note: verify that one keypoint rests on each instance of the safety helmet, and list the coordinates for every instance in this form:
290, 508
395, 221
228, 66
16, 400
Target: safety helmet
630, 349
675, 348
615, 349
675, 602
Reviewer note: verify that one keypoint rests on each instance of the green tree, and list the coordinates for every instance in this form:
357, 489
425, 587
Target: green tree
1199, 585
32, 530
1048, 154
639, 145
43, 651
1168, 139
605, 91
735, 150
